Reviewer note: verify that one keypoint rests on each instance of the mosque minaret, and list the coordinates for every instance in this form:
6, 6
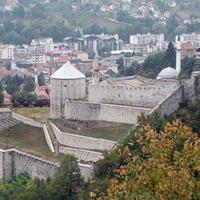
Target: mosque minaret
178, 55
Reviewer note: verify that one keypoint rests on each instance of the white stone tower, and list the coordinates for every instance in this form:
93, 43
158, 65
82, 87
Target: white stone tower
178, 55
66, 83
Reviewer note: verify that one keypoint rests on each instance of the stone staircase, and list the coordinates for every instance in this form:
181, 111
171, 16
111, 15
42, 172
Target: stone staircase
6, 121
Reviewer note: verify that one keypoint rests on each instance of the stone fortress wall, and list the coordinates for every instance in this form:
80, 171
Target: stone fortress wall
191, 87
170, 104
83, 110
13, 163
147, 96
125, 103
82, 154
189, 90
122, 104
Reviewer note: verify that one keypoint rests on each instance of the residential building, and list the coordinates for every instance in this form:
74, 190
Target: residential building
192, 38
43, 44
94, 43
144, 39
7, 51
74, 43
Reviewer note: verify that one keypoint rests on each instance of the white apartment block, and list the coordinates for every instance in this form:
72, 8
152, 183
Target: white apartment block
144, 39
193, 38
43, 44
36, 58
21, 50
7, 51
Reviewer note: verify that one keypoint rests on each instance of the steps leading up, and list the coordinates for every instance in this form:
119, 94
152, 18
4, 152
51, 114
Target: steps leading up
6, 121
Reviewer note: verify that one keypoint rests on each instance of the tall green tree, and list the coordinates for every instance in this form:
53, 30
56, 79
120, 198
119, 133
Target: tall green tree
67, 181
170, 55
29, 85
1, 98
41, 79
1, 87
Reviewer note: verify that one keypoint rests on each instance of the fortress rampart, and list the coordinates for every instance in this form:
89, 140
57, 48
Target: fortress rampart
87, 111
170, 104
14, 162
142, 96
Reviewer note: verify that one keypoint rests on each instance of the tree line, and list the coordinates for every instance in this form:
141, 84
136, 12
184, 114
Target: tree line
58, 20
21, 88
153, 64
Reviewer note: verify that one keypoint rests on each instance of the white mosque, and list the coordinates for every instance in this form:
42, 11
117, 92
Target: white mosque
169, 72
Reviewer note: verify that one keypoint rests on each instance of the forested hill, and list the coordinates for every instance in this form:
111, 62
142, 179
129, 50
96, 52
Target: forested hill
22, 20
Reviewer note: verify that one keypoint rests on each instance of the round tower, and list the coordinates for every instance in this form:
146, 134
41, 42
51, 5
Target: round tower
66, 83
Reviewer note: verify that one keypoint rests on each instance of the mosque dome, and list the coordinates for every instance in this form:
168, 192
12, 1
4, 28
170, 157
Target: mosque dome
67, 72
168, 73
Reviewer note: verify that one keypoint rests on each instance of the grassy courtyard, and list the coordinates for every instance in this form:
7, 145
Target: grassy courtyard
27, 139
96, 129
105, 130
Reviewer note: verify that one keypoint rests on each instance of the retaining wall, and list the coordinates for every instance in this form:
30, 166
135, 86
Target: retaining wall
33, 166
26, 120
170, 104
48, 139
85, 111
5, 110
81, 154
14, 163
81, 142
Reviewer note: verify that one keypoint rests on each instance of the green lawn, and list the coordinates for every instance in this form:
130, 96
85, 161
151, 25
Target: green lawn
28, 139
37, 113
105, 130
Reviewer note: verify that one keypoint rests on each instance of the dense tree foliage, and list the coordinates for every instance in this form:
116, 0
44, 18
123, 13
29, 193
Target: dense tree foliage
190, 115
23, 98
29, 84
41, 79
1, 98
21, 89
170, 56
153, 64
57, 19
166, 167
12, 84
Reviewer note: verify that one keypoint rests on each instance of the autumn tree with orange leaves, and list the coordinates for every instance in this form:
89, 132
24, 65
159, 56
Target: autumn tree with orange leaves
167, 167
